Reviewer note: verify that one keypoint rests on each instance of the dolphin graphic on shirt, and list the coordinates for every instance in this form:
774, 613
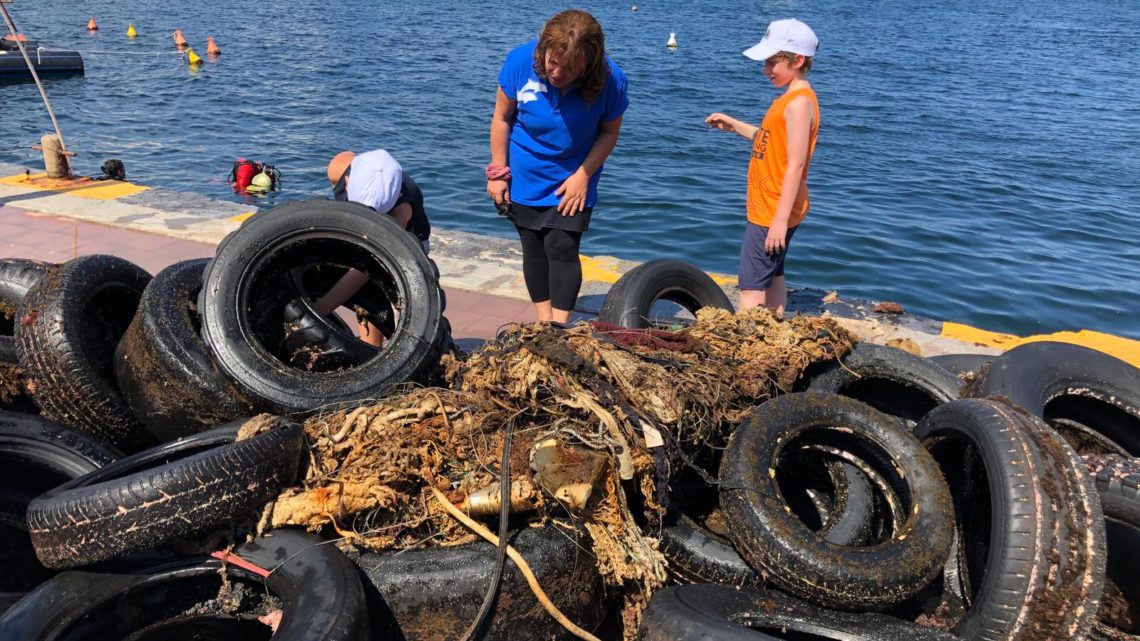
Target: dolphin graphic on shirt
530, 91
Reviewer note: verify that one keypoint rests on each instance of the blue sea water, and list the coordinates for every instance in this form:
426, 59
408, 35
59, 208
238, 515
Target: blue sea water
977, 160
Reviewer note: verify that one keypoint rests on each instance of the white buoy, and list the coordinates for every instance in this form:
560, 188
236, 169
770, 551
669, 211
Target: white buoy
635, 7
672, 44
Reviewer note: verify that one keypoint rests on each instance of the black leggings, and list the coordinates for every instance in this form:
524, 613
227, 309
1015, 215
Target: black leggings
551, 267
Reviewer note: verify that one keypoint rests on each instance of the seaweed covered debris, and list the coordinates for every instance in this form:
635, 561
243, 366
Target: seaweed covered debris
640, 397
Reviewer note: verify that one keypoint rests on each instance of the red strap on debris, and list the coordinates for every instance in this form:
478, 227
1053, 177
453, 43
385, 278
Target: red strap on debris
235, 560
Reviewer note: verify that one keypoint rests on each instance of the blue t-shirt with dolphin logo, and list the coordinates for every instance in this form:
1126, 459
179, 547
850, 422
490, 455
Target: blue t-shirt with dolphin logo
553, 130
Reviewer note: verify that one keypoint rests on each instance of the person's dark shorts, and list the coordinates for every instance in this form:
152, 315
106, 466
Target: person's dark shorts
758, 267
548, 217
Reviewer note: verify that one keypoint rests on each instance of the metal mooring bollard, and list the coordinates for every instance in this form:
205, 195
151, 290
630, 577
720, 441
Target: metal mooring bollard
55, 159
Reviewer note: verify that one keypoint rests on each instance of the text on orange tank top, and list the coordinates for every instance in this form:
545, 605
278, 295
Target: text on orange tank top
769, 161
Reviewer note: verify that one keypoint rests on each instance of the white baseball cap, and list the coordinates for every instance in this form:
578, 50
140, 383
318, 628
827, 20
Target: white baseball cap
375, 180
789, 35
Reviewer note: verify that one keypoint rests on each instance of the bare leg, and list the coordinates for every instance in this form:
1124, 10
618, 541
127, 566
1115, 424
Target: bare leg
343, 290
559, 315
369, 334
750, 298
777, 296
544, 310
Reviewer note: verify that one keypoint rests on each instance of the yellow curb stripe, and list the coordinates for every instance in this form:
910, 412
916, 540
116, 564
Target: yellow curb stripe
1125, 349
603, 269
97, 190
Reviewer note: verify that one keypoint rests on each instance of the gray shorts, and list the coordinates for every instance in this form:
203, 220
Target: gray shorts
758, 267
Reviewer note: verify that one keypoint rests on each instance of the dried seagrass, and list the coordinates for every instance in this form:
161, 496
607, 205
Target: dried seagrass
603, 388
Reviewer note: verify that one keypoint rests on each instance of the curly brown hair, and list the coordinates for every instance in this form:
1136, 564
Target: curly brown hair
576, 40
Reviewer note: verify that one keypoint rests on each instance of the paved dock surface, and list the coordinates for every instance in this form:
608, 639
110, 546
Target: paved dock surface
57, 220
37, 236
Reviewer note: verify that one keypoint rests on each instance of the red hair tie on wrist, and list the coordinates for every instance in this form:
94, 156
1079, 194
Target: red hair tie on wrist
498, 172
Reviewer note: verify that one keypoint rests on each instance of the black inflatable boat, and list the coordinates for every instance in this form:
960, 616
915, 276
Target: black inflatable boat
47, 61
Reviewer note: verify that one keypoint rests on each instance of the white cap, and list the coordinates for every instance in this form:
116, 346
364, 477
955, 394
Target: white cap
375, 180
789, 35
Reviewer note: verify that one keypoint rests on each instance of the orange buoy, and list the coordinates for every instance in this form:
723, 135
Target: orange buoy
212, 47
179, 40
91, 26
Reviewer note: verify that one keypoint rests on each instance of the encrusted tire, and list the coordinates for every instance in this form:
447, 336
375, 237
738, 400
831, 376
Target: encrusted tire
177, 489
796, 559
1015, 523
248, 284
964, 364
71, 322
751, 614
421, 595
164, 370
17, 276
1117, 480
629, 302
315, 585
889, 379
697, 555
36, 455
1063, 381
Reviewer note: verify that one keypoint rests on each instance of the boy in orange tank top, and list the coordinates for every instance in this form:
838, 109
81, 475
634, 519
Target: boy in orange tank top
782, 147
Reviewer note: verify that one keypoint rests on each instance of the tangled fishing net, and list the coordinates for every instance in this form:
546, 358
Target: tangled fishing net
639, 397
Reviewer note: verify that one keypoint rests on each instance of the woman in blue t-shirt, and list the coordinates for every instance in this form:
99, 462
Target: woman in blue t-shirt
557, 117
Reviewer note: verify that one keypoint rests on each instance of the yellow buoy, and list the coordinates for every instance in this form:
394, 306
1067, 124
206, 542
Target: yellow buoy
192, 58
131, 32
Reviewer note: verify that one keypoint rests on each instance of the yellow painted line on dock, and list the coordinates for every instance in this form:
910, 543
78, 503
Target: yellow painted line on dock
84, 188
603, 269
241, 218
1125, 349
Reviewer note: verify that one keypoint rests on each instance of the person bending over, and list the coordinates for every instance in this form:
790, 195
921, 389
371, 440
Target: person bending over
376, 180
558, 113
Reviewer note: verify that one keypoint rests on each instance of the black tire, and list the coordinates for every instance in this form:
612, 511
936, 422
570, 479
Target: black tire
319, 593
164, 370
630, 301
36, 455
315, 281
73, 320
420, 595
17, 276
1059, 380
889, 379
1118, 483
751, 614
964, 364
1077, 584
246, 287
174, 490
696, 555
795, 559
1003, 573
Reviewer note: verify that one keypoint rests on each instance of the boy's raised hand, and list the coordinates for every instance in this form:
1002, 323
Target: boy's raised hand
721, 121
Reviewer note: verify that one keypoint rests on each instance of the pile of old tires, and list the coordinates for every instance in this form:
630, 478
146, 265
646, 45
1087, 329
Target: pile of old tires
103, 347
99, 359
883, 499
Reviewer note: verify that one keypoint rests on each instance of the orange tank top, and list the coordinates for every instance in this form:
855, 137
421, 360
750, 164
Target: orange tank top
770, 160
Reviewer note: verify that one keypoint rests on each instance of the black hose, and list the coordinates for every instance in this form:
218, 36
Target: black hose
501, 554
